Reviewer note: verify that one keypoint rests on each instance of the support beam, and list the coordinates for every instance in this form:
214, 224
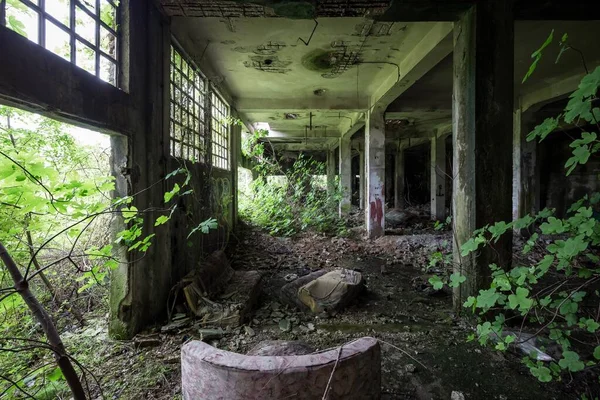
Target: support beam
525, 170
438, 178
38, 80
399, 177
345, 163
330, 172
361, 172
375, 160
482, 116
432, 48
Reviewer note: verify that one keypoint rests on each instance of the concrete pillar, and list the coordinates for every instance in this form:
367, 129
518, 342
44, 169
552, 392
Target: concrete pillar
345, 175
399, 178
361, 185
375, 166
438, 178
525, 171
330, 172
482, 137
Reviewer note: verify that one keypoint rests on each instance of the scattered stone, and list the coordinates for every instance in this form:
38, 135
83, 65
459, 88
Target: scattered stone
249, 331
410, 368
175, 325
144, 342
457, 395
285, 325
290, 277
210, 334
281, 348
311, 327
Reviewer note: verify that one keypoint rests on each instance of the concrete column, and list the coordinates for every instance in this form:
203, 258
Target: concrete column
361, 185
438, 178
525, 178
330, 172
375, 167
482, 137
345, 174
399, 178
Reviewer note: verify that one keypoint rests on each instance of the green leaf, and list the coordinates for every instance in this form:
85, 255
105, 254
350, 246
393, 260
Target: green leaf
487, 298
542, 130
520, 300
161, 220
597, 353
542, 373
456, 279
55, 375
571, 362
169, 195
537, 55
436, 282
16, 25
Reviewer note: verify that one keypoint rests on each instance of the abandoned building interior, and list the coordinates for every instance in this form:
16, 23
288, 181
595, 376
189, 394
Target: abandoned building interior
411, 105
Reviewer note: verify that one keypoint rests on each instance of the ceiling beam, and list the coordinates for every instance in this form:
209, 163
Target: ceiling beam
433, 48
290, 105
547, 92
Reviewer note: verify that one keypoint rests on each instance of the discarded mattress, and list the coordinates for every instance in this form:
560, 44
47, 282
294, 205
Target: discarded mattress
332, 291
208, 373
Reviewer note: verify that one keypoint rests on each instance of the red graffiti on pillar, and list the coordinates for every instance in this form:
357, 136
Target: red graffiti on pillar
377, 211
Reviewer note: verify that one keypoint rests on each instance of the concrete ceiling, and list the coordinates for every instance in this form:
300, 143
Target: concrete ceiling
289, 73
313, 82
427, 104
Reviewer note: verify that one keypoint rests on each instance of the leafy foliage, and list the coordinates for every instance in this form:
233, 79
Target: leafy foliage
286, 201
557, 294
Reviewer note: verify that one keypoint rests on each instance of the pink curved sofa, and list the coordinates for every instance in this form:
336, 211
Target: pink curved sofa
208, 373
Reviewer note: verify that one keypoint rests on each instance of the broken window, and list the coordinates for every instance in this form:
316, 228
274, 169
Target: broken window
220, 132
82, 32
188, 105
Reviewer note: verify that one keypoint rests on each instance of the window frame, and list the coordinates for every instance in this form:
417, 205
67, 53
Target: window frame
199, 145
43, 17
221, 161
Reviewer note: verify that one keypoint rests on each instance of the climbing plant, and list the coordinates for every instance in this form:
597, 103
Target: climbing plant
558, 295
286, 201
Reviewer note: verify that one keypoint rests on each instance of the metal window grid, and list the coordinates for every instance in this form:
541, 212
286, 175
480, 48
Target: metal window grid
90, 9
188, 104
220, 132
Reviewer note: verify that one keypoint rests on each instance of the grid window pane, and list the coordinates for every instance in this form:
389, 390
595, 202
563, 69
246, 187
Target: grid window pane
220, 132
83, 32
61, 41
188, 94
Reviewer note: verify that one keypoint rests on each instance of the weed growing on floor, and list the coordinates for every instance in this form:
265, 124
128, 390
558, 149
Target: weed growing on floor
286, 200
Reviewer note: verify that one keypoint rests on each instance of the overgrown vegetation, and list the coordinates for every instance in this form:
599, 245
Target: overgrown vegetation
56, 209
289, 200
556, 296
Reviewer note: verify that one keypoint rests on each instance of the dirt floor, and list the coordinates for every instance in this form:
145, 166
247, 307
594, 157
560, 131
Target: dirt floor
424, 348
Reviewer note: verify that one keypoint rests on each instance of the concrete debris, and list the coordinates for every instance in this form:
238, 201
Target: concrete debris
526, 343
281, 348
457, 395
332, 291
210, 334
285, 325
141, 342
410, 368
176, 325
